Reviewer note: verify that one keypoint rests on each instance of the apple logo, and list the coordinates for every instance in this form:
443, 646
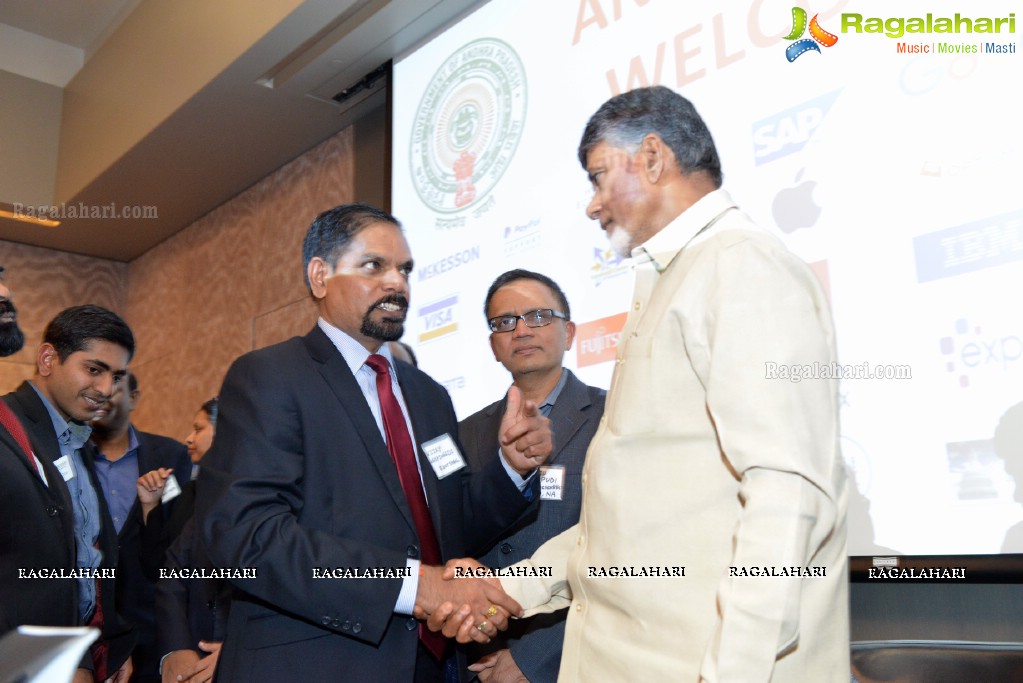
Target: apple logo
794, 208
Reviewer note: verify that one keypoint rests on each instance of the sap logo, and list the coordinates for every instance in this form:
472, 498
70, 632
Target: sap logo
438, 319
971, 350
789, 131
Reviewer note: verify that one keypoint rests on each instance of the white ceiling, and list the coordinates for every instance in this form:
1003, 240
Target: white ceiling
83, 24
232, 132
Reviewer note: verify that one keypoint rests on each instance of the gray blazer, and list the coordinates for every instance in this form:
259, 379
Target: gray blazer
536, 643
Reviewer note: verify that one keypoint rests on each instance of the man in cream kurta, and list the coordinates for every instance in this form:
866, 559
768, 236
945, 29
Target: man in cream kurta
701, 460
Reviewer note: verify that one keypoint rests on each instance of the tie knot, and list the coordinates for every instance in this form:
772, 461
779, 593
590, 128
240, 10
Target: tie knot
379, 364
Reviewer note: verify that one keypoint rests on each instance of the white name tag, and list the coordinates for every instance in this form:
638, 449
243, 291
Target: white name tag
552, 482
171, 490
443, 455
65, 468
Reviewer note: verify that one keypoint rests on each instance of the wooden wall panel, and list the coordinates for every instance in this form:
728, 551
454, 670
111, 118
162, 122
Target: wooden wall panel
230, 282
44, 282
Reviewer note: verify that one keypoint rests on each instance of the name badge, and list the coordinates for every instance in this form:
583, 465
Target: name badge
171, 489
65, 467
443, 455
552, 482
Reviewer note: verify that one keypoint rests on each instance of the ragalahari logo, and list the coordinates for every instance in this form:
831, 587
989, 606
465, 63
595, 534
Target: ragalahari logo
817, 35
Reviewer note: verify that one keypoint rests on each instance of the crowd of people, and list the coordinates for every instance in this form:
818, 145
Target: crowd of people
329, 518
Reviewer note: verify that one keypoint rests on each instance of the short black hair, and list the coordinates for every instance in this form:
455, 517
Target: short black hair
75, 327
522, 274
624, 120
211, 408
332, 230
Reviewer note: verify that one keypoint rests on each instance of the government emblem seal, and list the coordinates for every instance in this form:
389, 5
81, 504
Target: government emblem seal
468, 125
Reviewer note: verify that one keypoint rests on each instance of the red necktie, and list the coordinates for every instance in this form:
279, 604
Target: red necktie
10, 421
399, 444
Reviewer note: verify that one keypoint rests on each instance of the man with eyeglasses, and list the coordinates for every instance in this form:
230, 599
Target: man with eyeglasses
531, 329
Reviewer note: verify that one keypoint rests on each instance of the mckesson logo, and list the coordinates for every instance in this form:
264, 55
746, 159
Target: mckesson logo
449, 262
438, 319
788, 131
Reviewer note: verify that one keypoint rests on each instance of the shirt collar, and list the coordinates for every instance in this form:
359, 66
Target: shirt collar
672, 238
72, 434
354, 353
548, 402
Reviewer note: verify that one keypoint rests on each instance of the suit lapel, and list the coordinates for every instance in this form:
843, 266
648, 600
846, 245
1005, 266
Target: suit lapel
50, 489
566, 416
36, 420
338, 376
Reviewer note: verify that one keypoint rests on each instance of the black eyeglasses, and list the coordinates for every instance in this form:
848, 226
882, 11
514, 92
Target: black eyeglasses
541, 317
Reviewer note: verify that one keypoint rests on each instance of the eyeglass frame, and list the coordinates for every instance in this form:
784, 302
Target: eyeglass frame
492, 322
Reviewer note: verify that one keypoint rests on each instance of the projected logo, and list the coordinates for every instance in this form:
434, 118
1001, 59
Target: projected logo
987, 243
438, 319
518, 238
606, 265
787, 132
468, 125
817, 36
449, 263
794, 208
597, 341
972, 351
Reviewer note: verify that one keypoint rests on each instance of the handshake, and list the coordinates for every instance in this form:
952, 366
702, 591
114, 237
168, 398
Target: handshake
465, 608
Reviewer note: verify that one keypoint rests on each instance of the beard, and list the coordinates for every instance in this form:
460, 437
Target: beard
11, 336
389, 328
621, 242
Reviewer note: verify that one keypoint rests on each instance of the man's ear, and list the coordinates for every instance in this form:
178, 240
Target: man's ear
569, 334
47, 358
317, 271
654, 156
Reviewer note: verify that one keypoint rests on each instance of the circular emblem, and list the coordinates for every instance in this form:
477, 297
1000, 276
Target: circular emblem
468, 125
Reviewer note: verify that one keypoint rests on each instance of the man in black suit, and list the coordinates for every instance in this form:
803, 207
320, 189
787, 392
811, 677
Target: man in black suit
84, 355
325, 451
531, 329
37, 527
123, 453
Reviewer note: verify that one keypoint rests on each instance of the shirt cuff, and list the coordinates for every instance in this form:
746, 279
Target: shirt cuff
409, 586
521, 482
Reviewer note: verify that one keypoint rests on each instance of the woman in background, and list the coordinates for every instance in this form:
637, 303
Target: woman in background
191, 614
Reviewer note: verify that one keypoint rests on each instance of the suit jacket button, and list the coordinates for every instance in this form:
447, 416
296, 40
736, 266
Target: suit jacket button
336, 623
506, 548
325, 621
411, 625
51, 510
412, 551
357, 627
345, 626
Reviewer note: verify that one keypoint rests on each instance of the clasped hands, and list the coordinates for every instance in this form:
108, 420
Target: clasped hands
467, 608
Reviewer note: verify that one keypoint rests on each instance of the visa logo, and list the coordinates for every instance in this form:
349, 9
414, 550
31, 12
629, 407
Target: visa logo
438, 319
788, 132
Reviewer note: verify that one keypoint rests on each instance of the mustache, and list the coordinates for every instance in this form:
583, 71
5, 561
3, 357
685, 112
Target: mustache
6, 306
